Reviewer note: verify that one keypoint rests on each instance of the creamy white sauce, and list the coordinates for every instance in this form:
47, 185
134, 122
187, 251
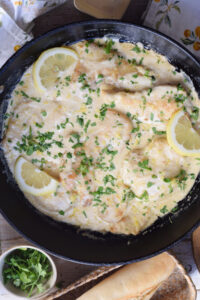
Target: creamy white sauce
116, 105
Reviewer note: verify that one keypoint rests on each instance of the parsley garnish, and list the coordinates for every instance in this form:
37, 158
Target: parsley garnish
104, 108
158, 132
109, 179
149, 184
164, 209
195, 113
181, 179
136, 49
144, 164
89, 101
41, 142
80, 121
27, 269
108, 46
44, 113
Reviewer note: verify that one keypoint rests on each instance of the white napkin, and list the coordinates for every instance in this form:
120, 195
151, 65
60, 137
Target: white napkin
179, 20
16, 18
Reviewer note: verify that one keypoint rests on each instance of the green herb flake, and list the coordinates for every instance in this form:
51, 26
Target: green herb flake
167, 180
149, 184
141, 61
44, 113
27, 269
84, 213
195, 113
164, 209
89, 101
87, 125
69, 155
61, 212
144, 164
136, 49
155, 131
149, 91
108, 46
80, 121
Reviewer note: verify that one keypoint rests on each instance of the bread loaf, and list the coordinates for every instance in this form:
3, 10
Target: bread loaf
137, 281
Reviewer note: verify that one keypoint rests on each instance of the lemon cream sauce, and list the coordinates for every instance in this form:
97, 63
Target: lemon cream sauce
100, 131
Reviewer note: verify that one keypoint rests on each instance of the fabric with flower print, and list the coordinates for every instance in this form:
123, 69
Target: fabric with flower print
178, 19
16, 18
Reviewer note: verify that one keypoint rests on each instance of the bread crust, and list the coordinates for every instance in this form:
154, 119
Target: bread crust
136, 280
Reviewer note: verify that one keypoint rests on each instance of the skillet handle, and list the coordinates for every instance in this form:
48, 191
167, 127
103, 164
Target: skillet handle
196, 246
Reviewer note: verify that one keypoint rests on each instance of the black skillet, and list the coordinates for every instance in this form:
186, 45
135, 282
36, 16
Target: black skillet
68, 241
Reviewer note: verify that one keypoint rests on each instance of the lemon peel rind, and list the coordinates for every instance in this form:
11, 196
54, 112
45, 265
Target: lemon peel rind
171, 137
41, 59
49, 189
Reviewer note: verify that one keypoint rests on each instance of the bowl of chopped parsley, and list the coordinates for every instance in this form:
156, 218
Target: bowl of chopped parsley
27, 272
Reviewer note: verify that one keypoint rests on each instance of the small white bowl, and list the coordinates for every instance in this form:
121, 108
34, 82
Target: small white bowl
12, 291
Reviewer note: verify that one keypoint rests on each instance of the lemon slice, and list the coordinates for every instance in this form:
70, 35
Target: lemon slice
32, 180
181, 136
50, 66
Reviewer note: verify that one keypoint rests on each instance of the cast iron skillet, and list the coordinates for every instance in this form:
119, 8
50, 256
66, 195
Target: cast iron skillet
68, 241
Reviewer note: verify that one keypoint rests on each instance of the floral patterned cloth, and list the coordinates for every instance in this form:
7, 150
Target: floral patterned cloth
16, 18
177, 19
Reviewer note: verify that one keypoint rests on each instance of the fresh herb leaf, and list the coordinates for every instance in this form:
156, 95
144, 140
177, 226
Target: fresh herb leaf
164, 209
27, 269
158, 132
136, 49
108, 46
144, 164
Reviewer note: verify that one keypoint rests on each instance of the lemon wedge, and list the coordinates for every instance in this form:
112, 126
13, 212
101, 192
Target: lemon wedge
32, 180
50, 66
181, 136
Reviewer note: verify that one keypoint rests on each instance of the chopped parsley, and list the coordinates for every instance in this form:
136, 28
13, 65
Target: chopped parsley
44, 113
164, 209
181, 179
167, 180
108, 46
109, 179
69, 155
61, 212
144, 164
84, 213
158, 132
87, 125
149, 184
40, 142
80, 121
141, 61
136, 49
195, 113
128, 195
27, 269
67, 79
85, 163
89, 101
104, 108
